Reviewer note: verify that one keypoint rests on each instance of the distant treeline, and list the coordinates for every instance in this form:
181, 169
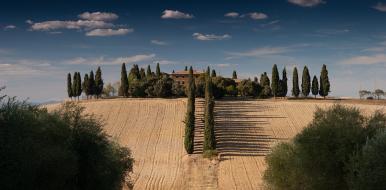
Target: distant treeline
139, 82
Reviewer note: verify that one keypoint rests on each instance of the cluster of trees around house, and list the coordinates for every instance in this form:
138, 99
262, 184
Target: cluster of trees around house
339, 149
139, 82
64, 149
91, 87
209, 146
378, 93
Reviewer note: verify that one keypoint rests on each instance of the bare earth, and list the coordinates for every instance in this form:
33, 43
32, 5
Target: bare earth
245, 130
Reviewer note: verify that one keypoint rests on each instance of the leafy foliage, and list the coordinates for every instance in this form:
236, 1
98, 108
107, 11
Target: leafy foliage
321, 156
74, 153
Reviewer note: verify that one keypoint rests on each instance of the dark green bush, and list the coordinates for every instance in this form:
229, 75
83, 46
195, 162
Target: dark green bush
62, 150
367, 169
318, 157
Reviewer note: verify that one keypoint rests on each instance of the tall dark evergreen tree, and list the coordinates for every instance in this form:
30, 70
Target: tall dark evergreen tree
275, 81
69, 86
284, 83
315, 86
158, 71
234, 75
142, 74
256, 80
134, 73
91, 84
74, 85
295, 83
324, 82
189, 118
98, 82
124, 88
306, 82
186, 68
85, 85
214, 74
148, 72
79, 85
209, 136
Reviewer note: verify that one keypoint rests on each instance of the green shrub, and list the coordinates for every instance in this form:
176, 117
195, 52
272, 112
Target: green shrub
318, 157
367, 169
62, 150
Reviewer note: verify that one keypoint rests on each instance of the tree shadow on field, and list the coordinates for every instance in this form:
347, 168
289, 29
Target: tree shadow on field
239, 128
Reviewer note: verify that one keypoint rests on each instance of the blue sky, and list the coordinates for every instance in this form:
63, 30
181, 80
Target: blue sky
41, 41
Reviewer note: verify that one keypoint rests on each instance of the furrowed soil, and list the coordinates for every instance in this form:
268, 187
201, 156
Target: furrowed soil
245, 132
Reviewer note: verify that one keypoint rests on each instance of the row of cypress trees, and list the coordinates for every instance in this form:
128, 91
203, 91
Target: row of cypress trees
91, 86
189, 118
74, 88
279, 86
322, 87
209, 136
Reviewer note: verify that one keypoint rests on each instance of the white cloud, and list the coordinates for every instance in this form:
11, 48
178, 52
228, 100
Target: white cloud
264, 51
26, 67
79, 24
171, 14
252, 15
109, 32
223, 65
158, 42
332, 31
307, 3
380, 7
209, 37
29, 21
110, 61
9, 27
257, 16
365, 60
165, 62
98, 16
232, 14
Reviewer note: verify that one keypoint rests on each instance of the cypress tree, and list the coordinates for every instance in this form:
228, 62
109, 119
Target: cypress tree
148, 72
74, 85
264, 80
124, 89
186, 68
275, 81
158, 71
234, 75
209, 136
98, 82
315, 86
256, 80
295, 83
134, 73
324, 82
91, 84
306, 82
189, 118
142, 74
79, 85
214, 74
284, 83
69, 86
85, 85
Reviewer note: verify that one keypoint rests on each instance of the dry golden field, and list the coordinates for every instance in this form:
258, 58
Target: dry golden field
245, 130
